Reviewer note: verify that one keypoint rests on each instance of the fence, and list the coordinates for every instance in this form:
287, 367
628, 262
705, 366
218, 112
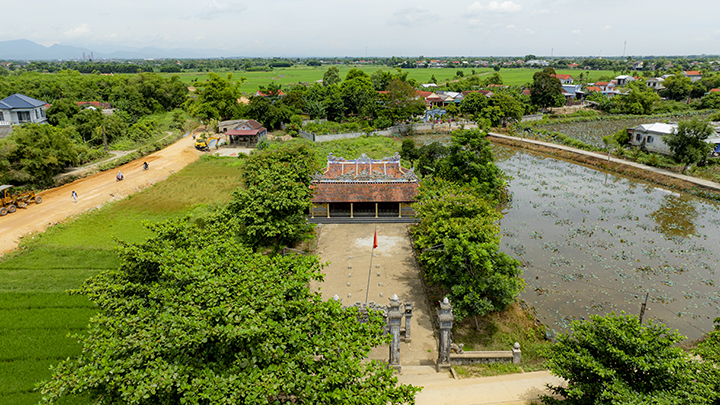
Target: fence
391, 131
533, 117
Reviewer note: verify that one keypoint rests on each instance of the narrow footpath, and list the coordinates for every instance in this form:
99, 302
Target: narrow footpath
710, 185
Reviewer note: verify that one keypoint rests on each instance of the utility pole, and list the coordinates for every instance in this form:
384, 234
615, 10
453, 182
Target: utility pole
643, 306
624, 48
104, 139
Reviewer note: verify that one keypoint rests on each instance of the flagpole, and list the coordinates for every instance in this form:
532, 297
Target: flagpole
367, 290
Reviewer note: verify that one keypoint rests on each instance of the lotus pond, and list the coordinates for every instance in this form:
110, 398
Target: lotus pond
593, 242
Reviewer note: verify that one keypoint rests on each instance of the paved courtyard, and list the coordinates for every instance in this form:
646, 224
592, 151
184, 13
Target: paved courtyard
347, 249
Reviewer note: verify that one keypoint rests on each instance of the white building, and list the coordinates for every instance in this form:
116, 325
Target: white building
649, 137
20, 109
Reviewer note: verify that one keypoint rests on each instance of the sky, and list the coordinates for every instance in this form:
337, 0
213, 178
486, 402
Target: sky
376, 27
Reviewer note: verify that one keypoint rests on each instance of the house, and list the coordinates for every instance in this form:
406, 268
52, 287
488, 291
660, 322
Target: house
242, 132
694, 75
486, 93
431, 99
714, 91
624, 79
20, 109
573, 66
261, 94
655, 83
450, 97
638, 65
428, 85
564, 79
572, 91
649, 137
364, 187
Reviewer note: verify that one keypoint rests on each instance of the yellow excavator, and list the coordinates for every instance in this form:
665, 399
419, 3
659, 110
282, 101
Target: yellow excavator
9, 202
205, 144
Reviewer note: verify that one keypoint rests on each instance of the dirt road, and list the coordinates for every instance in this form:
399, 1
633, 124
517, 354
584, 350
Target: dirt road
94, 191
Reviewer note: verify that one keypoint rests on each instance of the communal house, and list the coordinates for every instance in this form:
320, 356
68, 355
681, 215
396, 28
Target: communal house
364, 187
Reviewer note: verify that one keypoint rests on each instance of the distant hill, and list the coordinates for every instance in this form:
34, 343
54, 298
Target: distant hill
23, 49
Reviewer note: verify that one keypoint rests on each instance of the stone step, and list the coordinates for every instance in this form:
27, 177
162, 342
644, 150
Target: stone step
418, 370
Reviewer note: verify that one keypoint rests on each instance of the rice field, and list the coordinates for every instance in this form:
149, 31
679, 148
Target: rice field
593, 242
37, 315
309, 75
591, 131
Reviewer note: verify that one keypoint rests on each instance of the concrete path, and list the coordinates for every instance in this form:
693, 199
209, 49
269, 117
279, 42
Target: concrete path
511, 389
347, 248
711, 185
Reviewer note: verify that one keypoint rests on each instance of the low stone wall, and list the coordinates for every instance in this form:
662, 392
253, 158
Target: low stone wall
534, 117
487, 357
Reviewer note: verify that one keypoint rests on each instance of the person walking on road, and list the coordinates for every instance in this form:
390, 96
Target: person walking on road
74, 196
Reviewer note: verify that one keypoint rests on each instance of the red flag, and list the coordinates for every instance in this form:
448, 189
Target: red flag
375, 241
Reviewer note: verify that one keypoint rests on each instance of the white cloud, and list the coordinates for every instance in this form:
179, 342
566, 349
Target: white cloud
217, 8
607, 27
576, 32
78, 31
476, 8
543, 11
504, 7
410, 16
475, 22
510, 27
529, 31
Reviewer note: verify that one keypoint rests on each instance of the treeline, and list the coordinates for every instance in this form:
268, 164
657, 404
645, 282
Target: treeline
33, 154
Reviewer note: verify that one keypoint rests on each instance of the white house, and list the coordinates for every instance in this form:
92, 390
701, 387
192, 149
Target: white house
624, 79
564, 79
694, 75
655, 83
19, 109
649, 137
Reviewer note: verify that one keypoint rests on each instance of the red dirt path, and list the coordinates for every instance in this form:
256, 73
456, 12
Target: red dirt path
94, 191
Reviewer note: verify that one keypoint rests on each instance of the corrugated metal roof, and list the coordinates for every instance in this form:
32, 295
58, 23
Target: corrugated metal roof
17, 101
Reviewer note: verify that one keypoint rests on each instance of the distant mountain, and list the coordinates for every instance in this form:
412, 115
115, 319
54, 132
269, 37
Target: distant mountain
23, 49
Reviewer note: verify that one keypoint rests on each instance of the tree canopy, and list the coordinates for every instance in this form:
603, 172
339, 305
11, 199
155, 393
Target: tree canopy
614, 359
192, 316
688, 142
546, 90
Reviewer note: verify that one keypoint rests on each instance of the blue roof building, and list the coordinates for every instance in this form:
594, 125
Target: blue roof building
19, 109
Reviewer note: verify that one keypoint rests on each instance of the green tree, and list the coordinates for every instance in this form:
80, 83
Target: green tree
401, 101
546, 90
503, 108
217, 98
191, 316
688, 142
272, 207
62, 112
639, 100
35, 153
614, 359
677, 88
359, 96
473, 104
712, 100
333, 105
494, 78
331, 76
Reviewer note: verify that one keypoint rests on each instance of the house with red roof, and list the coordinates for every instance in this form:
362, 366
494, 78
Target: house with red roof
573, 66
242, 132
564, 79
364, 187
694, 75
714, 91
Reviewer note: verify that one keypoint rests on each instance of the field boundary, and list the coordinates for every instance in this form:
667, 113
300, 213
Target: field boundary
656, 175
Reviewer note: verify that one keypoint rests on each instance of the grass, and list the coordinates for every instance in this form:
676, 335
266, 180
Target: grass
376, 147
499, 331
36, 314
309, 75
487, 370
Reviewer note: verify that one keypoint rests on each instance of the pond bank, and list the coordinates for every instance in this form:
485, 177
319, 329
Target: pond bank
676, 181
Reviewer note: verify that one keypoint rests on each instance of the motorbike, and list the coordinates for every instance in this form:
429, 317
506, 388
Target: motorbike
145, 166
119, 177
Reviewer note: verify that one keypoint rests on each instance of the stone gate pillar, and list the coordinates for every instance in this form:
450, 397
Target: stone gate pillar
408, 317
445, 318
394, 321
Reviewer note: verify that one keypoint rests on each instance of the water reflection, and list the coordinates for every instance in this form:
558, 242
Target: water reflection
675, 216
592, 242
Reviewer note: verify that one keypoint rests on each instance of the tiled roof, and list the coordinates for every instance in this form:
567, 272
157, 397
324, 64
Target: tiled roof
20, 101
563, 77
364, 180
714, 90
261, 94
594, 88
245, 132
692, 73
363, 192
602, 83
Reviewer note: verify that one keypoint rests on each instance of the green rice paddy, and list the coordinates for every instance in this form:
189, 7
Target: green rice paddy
36, 313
